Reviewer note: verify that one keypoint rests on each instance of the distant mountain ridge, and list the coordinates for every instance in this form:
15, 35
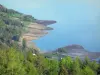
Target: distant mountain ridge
74, 46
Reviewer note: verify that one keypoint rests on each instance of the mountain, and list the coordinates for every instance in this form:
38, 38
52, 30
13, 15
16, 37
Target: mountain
73, 51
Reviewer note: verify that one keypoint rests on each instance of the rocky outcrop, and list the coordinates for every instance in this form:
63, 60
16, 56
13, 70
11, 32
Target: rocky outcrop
37, 30
73, 51
45, 22
77, 50
34, 31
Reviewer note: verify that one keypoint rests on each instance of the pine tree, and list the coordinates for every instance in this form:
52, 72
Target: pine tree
67, 62
24, 44
76, 69
88, 71
63, 70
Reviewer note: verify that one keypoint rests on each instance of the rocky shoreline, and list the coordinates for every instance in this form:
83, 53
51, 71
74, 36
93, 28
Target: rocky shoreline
36, 30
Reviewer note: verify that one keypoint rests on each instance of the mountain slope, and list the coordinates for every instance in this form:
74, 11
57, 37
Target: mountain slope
73, 51
17, 26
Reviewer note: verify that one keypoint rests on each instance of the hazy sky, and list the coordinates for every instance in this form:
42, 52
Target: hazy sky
29, 4
54, 9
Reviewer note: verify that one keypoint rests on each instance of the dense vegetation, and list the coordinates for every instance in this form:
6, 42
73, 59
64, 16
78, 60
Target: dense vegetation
16, 62
12, 24
20, 60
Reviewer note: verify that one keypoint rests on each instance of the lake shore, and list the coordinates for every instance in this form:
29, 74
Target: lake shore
35, 31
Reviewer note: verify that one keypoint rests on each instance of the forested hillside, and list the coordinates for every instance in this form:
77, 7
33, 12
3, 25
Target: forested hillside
22, 60
12, 24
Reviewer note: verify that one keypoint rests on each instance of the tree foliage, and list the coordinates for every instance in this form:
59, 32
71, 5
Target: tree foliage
14, 62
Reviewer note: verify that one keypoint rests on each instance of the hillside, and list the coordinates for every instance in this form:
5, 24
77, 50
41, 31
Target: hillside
17, 26
72, 51
12, 24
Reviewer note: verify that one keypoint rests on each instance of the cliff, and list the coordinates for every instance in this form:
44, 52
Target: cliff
45, 22
36, 30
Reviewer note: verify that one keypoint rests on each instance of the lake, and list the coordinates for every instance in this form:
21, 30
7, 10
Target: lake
77, 23
85, 34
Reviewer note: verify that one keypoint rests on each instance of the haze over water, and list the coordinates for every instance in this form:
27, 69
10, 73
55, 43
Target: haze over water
78, 21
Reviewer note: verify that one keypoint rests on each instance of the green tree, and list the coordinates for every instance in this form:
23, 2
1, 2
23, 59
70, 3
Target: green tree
11, 62
63, 71
53, 67
88, 71
30, 69
62, 68
67, 62
76, 69
15, 63
24, 44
